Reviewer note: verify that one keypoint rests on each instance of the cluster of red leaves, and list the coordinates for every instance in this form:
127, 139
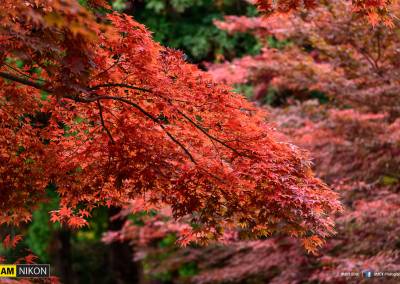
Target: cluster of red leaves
377, 11
90, 103
11, 242
353, 138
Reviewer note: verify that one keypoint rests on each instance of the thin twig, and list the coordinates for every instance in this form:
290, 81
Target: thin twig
108, 69
209, 135
103, 123
22, 73
120, 85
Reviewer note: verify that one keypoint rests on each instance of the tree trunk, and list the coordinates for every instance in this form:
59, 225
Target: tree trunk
121, 265
60, 252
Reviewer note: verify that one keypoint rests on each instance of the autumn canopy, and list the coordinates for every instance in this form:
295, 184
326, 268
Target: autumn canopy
92, 105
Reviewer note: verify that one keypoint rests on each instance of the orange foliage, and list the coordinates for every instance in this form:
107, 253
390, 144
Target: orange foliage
92, 104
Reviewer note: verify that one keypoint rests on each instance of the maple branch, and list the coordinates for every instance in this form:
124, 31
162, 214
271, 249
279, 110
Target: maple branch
103, 123
147, 114
127, 86
152, 118
98, 98
209, 135
122, 85
23, 81
179, 143
368, 57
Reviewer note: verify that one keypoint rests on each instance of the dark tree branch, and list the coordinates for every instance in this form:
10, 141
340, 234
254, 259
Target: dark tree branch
24, 81
144, 112
209, 135
103, 123
147, 114
98, 98
121, 85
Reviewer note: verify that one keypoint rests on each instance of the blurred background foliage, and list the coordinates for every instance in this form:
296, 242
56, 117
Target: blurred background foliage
187, 25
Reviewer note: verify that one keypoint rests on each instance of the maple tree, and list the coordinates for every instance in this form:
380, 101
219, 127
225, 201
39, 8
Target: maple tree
91, 104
